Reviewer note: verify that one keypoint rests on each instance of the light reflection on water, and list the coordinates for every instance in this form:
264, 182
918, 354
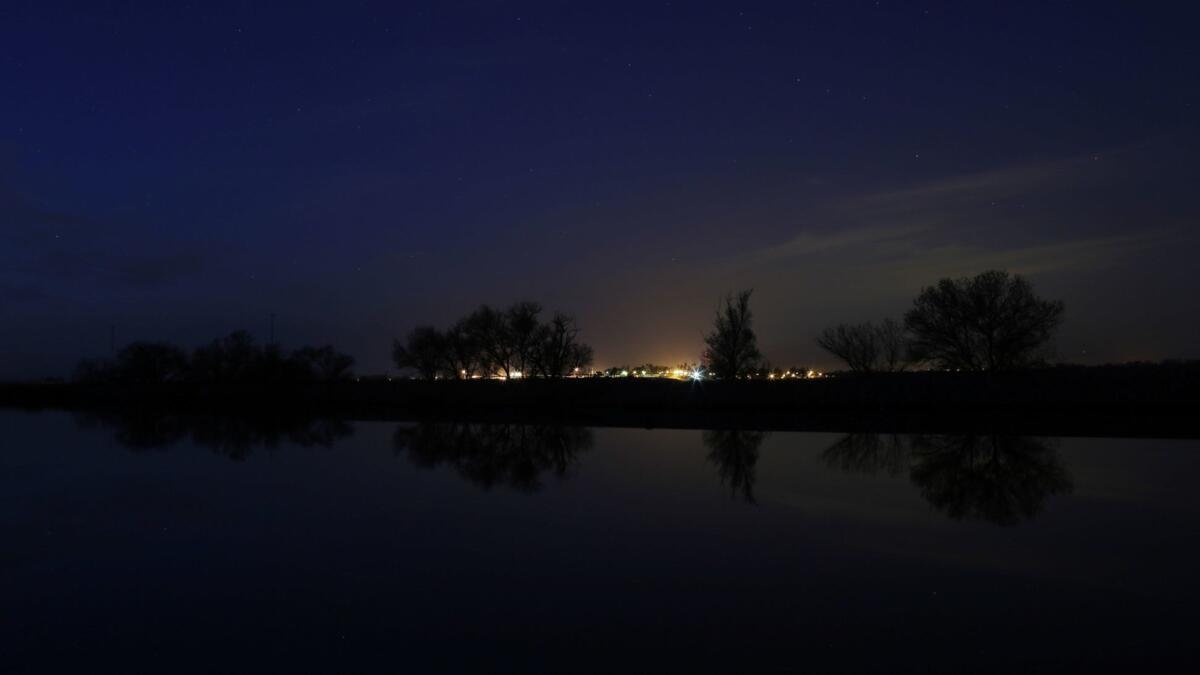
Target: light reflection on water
327, 545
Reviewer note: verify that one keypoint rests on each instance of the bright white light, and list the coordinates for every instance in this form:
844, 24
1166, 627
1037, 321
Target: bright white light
516, 375
697, 375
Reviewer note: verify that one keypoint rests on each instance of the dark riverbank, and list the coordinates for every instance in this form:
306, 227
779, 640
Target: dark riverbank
1147, 400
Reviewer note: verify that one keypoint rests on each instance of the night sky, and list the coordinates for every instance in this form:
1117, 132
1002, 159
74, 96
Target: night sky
181, 170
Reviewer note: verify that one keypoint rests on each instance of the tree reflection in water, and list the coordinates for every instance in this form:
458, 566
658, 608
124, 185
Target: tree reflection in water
235, 437
1001, 479
512, 455
869, 453
997, 478
735, 452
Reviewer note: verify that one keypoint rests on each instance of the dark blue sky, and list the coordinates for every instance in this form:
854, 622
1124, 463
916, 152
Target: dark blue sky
180, 170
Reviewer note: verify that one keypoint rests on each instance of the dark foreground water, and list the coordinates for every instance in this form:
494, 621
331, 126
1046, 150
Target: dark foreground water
168, 545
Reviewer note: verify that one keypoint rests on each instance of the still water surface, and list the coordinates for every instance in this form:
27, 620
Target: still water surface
215, 545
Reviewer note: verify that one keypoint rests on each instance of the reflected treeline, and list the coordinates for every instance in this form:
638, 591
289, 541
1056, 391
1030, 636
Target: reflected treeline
512, 455
869, 453
235, 437
1000, 479
735, 453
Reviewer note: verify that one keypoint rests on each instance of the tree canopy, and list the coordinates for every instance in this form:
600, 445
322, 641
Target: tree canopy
867, 347
732, 347
990, 322
508, 343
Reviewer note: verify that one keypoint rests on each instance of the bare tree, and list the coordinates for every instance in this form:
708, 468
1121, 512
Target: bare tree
325, 364
990, 322
867, 347
523, 331
732, 347
424, 351
463, 352
893, 345
232, 358
853, 343
559, 352
488, 328
151, 363
497, 342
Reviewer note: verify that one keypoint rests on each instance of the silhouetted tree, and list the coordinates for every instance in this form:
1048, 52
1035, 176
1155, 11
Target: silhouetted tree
991, 322
558, 351
277, 367
324, 364
732, 347
489, 330
151, 363
424, 350
867, 347
233, 358
464, 355
95, 371
524, 332
491, 342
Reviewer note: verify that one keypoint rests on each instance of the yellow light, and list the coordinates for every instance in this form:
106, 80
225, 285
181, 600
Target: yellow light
516, 374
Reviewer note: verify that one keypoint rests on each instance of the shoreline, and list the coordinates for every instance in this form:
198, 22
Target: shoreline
1138, 400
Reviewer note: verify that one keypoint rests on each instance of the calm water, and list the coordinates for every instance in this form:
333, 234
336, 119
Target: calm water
182, 545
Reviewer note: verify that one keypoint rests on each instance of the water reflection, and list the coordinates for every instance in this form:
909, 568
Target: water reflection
735, 453
869, 453
512, 455
1000, 479
232, 437
997, 478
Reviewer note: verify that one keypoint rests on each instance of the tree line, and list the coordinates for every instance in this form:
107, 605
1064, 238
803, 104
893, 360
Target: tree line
233, 359
990, 322
510, 343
